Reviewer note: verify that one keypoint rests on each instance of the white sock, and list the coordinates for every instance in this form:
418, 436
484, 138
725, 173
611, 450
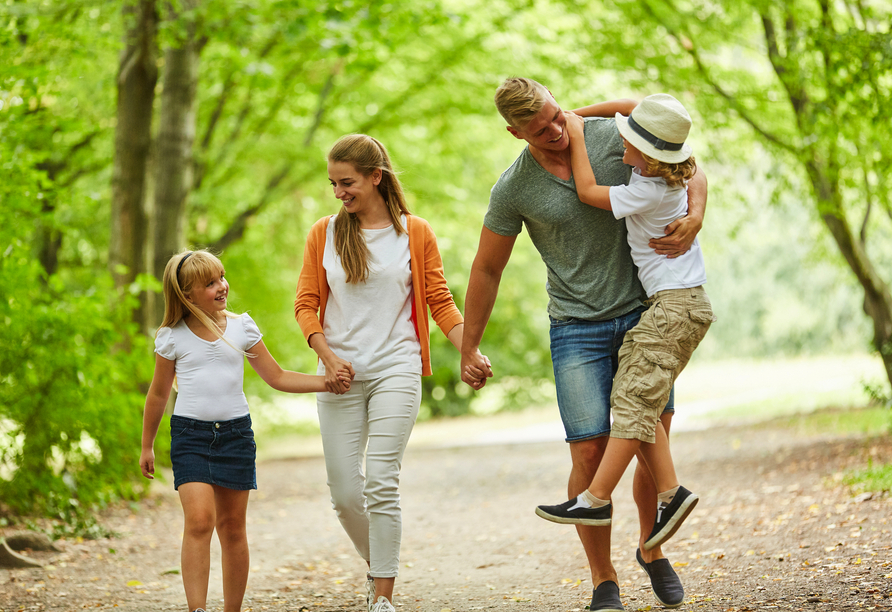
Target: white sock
591, 501
666, 496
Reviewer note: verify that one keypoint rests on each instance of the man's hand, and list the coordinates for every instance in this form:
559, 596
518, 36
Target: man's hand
475, 369
680, 235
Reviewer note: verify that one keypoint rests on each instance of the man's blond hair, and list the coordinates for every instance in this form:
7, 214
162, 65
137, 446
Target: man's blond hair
519, 100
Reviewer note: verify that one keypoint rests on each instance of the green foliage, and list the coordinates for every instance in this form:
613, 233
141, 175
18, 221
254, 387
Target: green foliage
69, 409
874, 478
70, 365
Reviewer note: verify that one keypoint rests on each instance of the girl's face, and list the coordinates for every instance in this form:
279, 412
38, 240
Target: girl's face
632, 156
358, 193
211, 298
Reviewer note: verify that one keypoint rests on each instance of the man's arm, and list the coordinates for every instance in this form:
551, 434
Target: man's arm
680, 233
483, 287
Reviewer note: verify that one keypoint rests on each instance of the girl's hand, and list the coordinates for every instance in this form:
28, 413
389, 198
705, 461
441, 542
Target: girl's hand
333, 382
345, 377
147, 463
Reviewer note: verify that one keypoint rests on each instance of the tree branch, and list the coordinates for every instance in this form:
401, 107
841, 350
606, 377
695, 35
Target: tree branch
733, 102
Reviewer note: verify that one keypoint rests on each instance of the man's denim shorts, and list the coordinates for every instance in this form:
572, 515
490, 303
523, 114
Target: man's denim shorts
216, 452
585, 356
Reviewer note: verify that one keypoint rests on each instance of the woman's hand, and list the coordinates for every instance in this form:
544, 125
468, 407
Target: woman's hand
147, 463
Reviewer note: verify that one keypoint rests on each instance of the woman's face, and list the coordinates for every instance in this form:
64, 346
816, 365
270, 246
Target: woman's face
357, 192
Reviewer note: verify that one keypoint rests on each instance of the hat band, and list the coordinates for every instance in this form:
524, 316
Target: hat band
657, 143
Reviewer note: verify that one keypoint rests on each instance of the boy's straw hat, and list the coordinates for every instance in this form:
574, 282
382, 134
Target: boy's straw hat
658, 128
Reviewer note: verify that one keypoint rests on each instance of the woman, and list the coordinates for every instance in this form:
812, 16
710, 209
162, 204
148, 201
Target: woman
369, 275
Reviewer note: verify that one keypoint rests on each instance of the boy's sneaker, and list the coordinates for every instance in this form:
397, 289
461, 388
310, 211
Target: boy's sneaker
370, 592
605, 598
382, 606
670, 517
663, 581
573, 513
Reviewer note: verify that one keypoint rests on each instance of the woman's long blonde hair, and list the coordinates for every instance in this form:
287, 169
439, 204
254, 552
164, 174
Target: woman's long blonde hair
185, 271
366, 155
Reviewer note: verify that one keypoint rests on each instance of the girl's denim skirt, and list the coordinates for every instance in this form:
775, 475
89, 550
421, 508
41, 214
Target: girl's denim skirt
216, 452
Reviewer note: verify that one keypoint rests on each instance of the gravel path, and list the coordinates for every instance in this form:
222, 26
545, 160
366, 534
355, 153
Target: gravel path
775, 530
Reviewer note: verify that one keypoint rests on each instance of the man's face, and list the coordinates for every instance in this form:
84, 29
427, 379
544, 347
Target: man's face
546, 130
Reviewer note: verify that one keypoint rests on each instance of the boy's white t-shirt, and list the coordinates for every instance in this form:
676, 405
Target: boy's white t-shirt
649, 205
370, 323
210, 375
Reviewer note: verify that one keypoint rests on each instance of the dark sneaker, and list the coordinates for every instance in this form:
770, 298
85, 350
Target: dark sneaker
663, 580
606, 598
670, 517
573, 513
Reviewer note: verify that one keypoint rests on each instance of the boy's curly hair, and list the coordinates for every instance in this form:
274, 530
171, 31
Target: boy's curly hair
676, 175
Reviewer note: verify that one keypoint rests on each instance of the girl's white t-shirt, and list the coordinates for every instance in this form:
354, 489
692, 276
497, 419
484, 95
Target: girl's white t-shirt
210, 375
370, 323
649, 205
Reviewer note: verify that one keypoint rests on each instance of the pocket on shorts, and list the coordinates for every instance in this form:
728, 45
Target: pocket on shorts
178, 430
699, 321
656, 373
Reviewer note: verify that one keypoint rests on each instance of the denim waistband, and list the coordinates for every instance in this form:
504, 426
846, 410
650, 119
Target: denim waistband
240, 422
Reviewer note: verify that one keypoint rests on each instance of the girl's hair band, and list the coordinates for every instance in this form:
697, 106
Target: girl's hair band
180, 266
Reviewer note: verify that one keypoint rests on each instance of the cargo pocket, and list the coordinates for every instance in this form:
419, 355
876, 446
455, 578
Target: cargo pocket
656, 375
698, 324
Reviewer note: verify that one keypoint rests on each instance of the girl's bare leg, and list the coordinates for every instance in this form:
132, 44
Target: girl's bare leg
232, 508
199, 512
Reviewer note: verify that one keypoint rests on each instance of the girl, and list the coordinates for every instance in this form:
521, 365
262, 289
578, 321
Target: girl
369, 274
202, 345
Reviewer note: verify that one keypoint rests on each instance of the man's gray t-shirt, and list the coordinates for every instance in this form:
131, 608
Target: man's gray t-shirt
590, 271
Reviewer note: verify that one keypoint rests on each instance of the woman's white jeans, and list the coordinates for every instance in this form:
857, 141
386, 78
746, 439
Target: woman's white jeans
378, 414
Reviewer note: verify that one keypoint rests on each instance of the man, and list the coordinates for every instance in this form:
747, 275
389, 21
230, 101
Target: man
594, 297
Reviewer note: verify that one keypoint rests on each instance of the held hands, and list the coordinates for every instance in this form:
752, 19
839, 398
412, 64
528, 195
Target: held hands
147, 463
680, 235
475, 369
338, 374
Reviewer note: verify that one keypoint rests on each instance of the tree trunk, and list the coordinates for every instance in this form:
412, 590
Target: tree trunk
877, 297
174, 145
137, 76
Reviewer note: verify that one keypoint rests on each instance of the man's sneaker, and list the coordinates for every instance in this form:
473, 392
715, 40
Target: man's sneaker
605, 598
573, 513
670, 517
370, 591
663, 580
382, 606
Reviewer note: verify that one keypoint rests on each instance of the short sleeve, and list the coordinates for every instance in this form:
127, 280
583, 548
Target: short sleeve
252, 332
637, 198
501, 217
164, 343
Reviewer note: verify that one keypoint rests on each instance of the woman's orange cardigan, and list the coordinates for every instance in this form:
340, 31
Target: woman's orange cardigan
428, 285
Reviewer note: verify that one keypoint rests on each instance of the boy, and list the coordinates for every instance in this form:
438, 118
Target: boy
656, 350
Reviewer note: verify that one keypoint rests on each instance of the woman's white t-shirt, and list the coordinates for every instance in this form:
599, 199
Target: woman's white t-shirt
370, 323
649, 205
210, 375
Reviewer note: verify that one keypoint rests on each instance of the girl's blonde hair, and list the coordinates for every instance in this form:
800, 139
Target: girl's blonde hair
184, 272
366, 155
675, 175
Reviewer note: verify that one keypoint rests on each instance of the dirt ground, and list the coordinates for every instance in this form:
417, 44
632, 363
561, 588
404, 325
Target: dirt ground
775, 530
